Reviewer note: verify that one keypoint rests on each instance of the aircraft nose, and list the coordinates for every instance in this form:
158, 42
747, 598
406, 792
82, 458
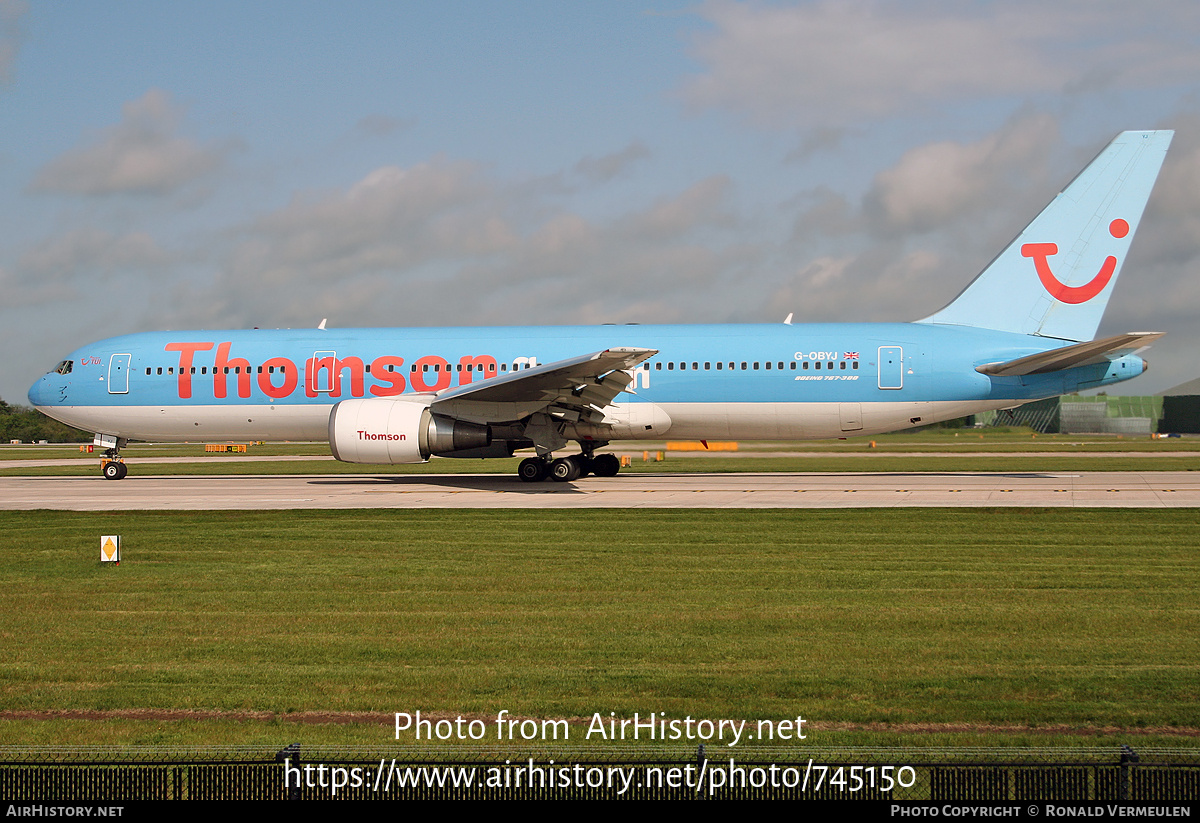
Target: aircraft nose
39, 392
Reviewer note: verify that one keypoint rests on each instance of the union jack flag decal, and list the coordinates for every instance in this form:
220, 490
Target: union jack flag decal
850, 355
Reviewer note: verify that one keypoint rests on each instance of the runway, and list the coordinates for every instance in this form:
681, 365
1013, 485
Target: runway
628, 491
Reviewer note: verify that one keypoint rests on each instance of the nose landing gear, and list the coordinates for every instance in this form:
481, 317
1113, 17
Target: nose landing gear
112, 466
114, 469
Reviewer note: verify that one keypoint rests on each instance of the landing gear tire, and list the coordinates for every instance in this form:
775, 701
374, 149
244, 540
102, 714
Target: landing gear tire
115, 471
533, 469
566, 469
606, 465
585, 464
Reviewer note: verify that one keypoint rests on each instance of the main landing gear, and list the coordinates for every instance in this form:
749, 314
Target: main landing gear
566, 469
113, 467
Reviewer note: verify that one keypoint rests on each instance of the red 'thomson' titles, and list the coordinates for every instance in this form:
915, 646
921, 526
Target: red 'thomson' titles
325, 373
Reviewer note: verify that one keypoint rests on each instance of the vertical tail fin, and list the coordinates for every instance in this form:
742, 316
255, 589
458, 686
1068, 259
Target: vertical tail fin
1055, 278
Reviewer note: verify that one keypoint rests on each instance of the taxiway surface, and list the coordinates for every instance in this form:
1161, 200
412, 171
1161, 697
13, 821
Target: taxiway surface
627, 491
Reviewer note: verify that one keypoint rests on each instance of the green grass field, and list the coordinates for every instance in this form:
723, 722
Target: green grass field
875, 625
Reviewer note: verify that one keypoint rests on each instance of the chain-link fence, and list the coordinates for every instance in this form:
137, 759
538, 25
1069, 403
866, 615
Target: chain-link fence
1124, 774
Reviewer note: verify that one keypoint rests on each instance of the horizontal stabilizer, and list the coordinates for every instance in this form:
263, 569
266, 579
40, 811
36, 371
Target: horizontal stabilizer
1080, 354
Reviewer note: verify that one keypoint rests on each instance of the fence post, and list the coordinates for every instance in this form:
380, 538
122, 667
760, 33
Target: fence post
1128, 756
291, 754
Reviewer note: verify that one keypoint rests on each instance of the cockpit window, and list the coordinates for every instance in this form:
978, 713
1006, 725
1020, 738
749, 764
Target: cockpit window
64, 367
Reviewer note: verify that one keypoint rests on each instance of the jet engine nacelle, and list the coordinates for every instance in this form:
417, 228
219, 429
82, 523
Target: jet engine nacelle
382, 430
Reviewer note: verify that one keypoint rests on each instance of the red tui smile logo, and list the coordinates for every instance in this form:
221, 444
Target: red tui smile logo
1041, 252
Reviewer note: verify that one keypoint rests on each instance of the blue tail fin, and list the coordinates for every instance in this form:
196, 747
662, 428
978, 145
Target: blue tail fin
1055, 279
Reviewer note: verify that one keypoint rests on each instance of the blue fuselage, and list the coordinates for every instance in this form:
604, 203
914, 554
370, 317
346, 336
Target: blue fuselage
172, 375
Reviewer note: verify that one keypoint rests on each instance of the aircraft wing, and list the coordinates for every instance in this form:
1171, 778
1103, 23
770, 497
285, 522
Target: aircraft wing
1079, 354
573, 389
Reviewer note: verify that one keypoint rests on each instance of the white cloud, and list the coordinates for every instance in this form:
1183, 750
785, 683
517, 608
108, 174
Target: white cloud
443, 243
22, 292
939, 183
85, 265
393, 219
88, 251
143, 154
925, 226
830, 63
605, 168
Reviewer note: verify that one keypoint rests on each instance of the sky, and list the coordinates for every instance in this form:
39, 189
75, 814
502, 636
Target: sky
268, 164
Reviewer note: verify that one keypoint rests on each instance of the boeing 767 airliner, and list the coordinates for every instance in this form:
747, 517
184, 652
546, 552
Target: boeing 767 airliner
1021, 331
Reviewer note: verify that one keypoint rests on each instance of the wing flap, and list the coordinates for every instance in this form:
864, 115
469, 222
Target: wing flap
583, 385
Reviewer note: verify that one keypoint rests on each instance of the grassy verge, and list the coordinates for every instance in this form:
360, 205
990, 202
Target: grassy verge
876, 622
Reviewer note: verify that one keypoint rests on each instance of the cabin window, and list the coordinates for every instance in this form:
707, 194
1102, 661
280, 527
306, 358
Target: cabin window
719, 365
707, 365
843, 365
756, 365
658, 366
160, 369
805, 366
743, 365
147, 370
856, 364
768, 364
695, 366
64, 367
671, 366
793, 365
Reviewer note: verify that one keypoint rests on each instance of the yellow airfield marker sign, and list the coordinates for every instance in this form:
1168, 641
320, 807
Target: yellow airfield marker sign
110, 548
